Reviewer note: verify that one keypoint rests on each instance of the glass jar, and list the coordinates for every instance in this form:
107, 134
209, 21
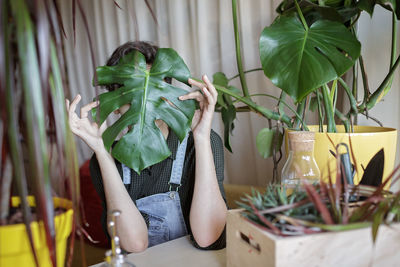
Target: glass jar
300, 163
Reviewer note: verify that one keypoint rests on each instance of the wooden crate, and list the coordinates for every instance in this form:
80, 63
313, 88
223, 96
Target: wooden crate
248, 245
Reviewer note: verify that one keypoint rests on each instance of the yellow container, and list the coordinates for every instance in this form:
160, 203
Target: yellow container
366, 142
15, 249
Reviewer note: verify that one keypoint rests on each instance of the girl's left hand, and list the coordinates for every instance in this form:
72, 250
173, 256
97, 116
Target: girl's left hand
207, 98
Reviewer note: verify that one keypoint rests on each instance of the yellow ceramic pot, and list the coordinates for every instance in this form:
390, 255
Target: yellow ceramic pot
15, 249
366, 142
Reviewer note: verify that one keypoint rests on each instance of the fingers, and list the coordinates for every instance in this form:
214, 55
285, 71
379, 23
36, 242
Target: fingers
195, 83
85, 109
210, 87
75, 102
67, 104
207, 89
193, 95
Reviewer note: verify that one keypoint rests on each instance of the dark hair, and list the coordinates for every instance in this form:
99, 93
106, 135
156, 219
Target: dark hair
146, 48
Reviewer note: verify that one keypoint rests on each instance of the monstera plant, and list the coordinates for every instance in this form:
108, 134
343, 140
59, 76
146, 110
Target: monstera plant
306, 52
150, 99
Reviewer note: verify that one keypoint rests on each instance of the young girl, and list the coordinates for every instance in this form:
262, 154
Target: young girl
181, 195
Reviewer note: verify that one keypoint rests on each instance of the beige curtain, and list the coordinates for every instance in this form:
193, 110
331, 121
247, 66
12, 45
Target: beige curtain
202, 33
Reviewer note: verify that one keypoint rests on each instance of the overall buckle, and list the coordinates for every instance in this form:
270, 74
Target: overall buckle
174, 187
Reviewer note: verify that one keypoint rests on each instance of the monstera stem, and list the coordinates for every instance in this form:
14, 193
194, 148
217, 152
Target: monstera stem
393, 50
328, 109
282, 102
267, 113
320, 115
376, 96
238, 50
303, 20
300, 110
387, 82
245, 72
344, 120
353, 102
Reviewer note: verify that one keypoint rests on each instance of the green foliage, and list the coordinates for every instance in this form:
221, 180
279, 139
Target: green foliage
275, 201
267, 140
298, 60
33, 114
226, 107
310, 208
150, 99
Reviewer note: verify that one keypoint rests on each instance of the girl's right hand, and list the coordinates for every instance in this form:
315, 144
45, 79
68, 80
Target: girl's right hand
88, 131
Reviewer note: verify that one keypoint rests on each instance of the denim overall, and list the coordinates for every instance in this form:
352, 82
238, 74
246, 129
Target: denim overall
164, 210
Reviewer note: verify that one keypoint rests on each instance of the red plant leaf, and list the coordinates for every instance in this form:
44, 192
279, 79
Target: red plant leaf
151, 11
74, 20
352, 154
115, 3
263, 219
284, 207
58, 21
318, 202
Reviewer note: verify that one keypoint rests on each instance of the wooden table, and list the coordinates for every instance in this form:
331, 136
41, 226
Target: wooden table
177, 253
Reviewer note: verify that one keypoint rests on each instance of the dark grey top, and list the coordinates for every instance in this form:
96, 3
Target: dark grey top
154, 179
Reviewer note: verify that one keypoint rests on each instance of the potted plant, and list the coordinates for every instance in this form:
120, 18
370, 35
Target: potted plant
321, 224
37, 149
306, 52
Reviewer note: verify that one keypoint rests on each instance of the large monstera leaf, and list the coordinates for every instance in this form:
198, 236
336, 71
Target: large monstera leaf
150, 99
299, 60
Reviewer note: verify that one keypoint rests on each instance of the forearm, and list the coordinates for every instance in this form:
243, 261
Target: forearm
208, 210
131, 227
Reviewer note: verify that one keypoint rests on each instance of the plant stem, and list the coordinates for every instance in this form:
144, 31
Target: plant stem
245, 72
300, 110
238, 50
353, 102
354, 92
393, 51
269, 114
333, 95
344, 120
320, 115
355, 78
328, 109
364, 76
303, 20
281, 102
387, 82
285, 104
376, 96
394, 39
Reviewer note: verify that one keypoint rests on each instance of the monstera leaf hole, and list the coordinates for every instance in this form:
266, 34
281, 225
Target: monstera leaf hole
150, 99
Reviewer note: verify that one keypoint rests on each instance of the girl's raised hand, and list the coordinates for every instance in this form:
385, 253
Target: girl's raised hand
207, 98
88, 131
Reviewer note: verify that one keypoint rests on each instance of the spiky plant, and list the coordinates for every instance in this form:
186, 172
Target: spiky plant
33, 115
322, 207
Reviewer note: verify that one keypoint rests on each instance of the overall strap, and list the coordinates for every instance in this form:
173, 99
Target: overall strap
177, 165
126, 174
